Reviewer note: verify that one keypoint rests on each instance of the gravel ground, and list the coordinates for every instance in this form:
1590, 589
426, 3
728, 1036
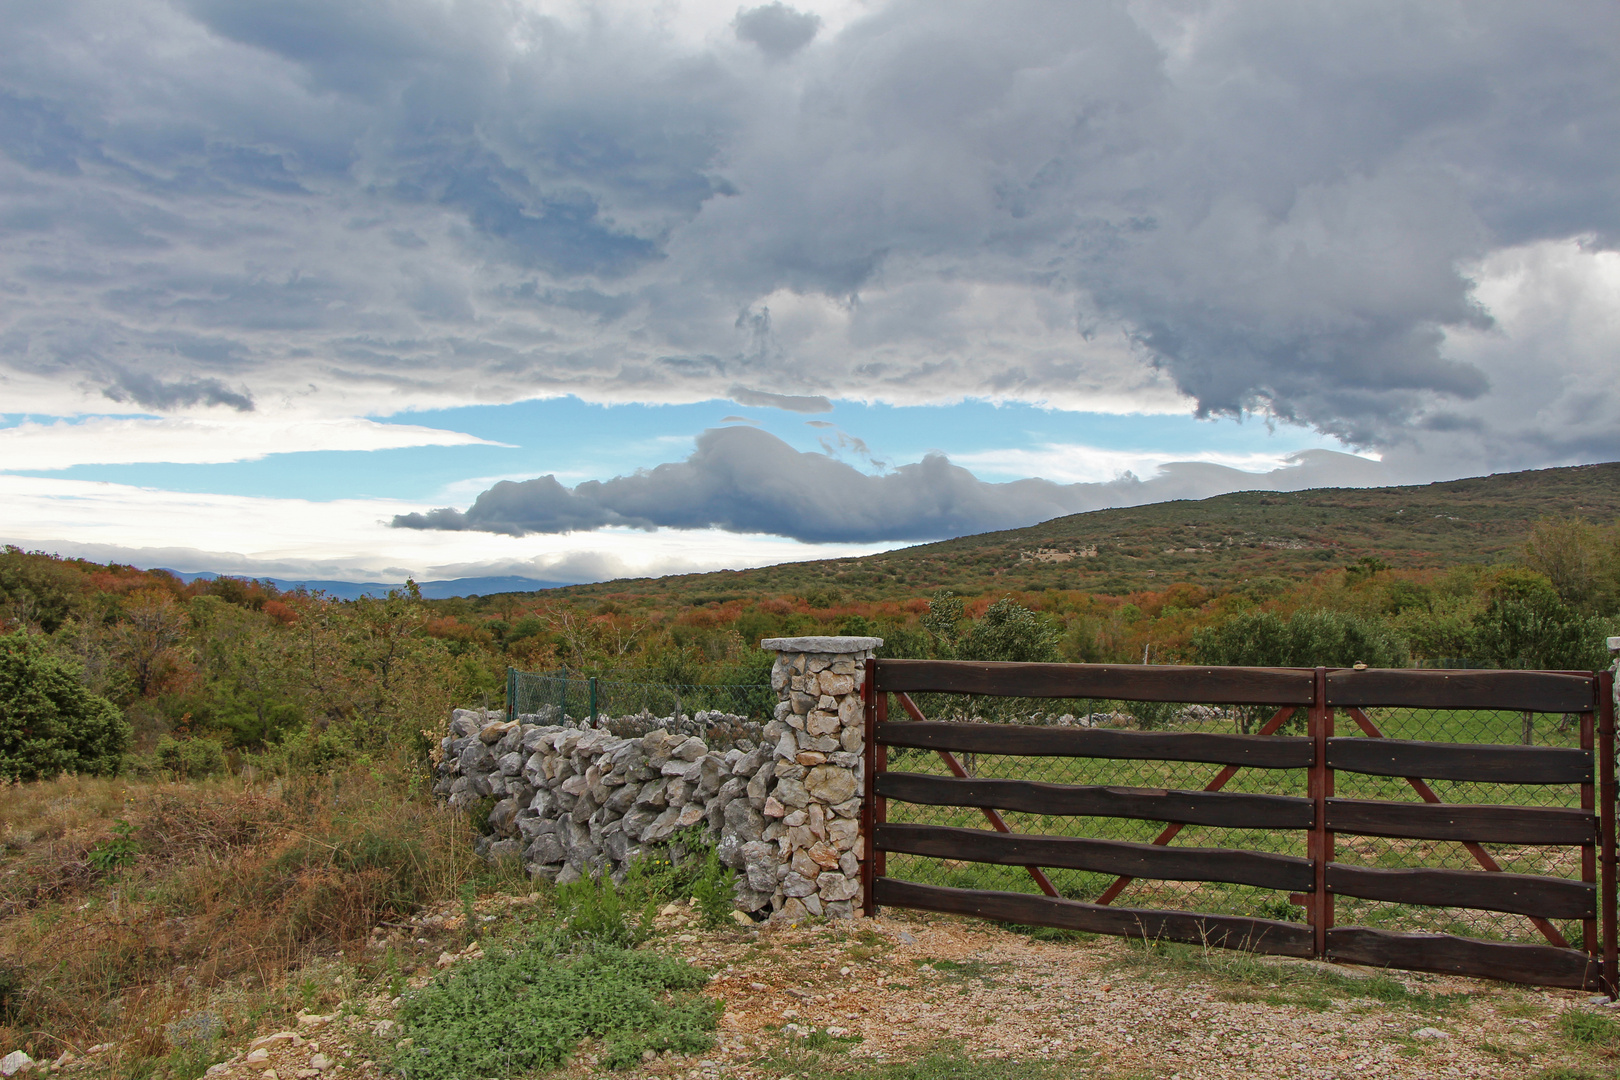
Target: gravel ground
827, 999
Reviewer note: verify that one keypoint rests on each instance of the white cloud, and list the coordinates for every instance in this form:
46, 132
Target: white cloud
1077, 463
346, 539
203, 440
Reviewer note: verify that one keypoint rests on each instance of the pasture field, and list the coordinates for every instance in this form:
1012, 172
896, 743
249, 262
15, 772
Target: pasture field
1449, 726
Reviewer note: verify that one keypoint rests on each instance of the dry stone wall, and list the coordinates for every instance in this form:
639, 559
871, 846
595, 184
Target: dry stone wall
570, 800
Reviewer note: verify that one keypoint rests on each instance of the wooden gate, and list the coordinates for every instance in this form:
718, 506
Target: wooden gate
1377, 826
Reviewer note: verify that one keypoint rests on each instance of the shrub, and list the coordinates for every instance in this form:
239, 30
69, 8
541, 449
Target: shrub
520, 1012
1309, 638
49, 723
190, 759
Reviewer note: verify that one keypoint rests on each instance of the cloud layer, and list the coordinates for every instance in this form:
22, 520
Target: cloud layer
1285, 206
743, 480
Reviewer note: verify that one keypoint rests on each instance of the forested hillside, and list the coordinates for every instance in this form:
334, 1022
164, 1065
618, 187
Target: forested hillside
1520, 570
1218, 542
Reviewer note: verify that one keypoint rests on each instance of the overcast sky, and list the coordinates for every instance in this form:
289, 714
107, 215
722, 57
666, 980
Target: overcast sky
443, 288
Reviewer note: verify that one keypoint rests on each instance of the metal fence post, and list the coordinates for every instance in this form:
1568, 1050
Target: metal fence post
511, 694
593, 701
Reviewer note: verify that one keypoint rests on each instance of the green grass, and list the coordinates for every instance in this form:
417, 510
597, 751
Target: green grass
1221, 898
528, 1008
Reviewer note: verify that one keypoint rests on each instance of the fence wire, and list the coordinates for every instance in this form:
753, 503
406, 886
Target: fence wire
1431, 725
722, 712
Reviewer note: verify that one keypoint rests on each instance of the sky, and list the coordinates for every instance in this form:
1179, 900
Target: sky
454, 288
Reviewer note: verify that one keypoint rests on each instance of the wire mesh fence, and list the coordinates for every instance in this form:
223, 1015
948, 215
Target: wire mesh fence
1429, 725
722, 713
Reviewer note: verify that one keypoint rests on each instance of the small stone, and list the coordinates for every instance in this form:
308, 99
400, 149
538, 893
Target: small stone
320, 1062
1429, 1034
257, 1057
741, 918
269, 1074
14, 1063
829, 784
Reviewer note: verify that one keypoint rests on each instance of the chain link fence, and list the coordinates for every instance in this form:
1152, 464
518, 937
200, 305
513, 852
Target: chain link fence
1430, 725
722, 713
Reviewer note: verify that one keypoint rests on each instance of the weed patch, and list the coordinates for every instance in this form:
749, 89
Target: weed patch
515, 1012
1588, 1029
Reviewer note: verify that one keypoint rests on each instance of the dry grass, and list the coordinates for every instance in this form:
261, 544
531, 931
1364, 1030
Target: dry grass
232, 889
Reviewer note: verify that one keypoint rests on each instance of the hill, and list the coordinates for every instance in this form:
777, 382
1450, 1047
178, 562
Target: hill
1210, 542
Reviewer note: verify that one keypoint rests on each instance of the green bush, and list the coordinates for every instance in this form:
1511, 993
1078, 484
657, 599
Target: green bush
1311, 637
190, 759
515, 1013
49, 723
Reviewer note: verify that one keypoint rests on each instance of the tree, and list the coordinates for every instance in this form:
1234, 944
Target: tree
1010, 631
1311, 637
49, 723
1569, 553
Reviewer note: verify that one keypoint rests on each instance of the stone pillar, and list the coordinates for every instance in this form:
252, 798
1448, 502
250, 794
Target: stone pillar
818, 740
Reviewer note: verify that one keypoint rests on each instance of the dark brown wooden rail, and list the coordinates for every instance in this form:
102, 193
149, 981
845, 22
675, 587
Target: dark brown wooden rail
1520, 691
1219, 931
1541, 964
1521, 894
1489, 764
1539, 825
1277, 752
1226, 809
1315, 881
1262, 869
1135, 682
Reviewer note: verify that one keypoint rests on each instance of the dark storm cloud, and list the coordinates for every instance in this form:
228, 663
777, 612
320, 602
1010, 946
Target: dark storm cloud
748, 481
159, 396
1278, 206
800, 403
778, 30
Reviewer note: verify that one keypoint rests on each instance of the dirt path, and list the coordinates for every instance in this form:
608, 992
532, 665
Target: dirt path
826, 999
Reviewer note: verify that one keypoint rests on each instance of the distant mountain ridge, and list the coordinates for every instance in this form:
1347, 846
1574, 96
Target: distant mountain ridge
1216, 542
354, 590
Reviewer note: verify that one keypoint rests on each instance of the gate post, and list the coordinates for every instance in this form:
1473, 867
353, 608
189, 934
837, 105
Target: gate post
1321, 789
1606, 816
818, 740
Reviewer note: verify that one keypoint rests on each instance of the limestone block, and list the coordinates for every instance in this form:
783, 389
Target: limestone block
852, 739
465, 722
759, 859
791, 792
623, 798
653, 793
545, 849
802, 702
850, 809
792, 910
662, 827
690, 815
796, 885
804, 865
835, 684
774, 809
635, 823
510, 764
810, 758
836, 886
795, 819
743, 821
823, 854
827, 783
820, 722
842, 832
849, 865
852, 712
504, 849
574, 785
690, 750
799, 836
